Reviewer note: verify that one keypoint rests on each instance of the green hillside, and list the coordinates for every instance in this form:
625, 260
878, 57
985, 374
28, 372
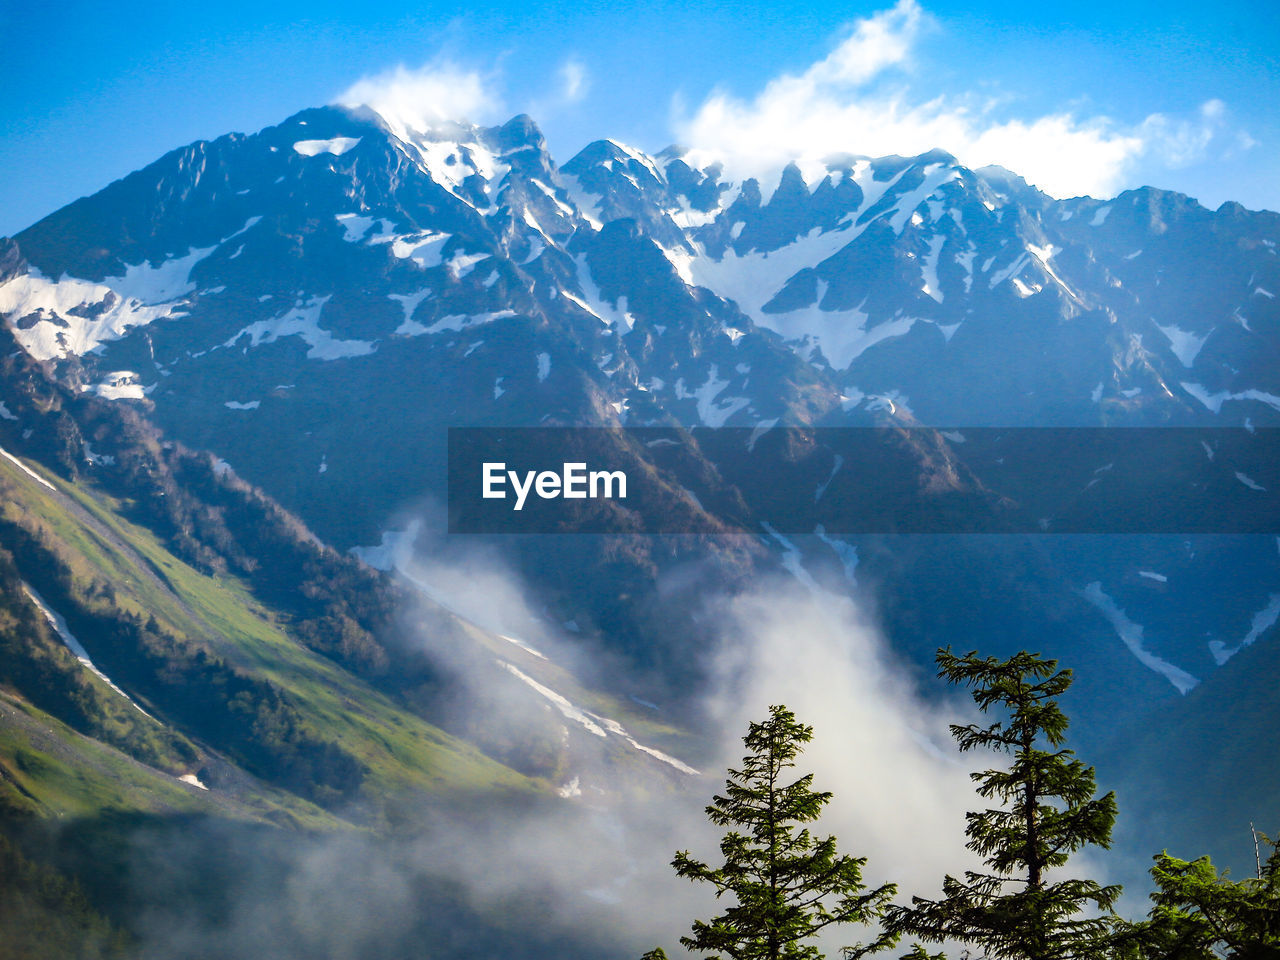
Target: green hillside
212, 664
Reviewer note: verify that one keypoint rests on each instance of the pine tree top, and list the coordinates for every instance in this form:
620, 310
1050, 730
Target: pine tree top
787, 885
1046, 810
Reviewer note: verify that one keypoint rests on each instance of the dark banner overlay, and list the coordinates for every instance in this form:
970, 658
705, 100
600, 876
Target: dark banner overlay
794, 480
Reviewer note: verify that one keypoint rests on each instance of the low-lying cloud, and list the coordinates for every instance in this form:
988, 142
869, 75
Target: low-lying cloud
588, 875
881, 746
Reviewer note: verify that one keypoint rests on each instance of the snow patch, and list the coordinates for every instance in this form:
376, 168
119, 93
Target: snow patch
659, 755
120, 385
1043, 255
587, 203
753, 279
1013, 269
1185, 345
842, 335
95, 459
424, 249
761, 428
60, 627
522, 645
165, 281
72, 316
965, 260
451, 164
354, 226
27, 470
1263, 621
822, 487
847, 553
409, 303
890, 401
929, 268
336, 146
1131, 634
935, 175
711, 413
456, 322
536, 248
1213, 401
611, 315
461, 264
564, 706
792, 561
303, 321
563, 207
1250, 482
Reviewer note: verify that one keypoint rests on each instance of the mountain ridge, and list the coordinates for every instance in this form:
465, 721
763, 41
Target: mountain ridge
315, 304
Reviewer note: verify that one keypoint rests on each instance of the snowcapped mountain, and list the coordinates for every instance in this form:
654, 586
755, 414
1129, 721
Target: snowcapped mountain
967, 295
317, 302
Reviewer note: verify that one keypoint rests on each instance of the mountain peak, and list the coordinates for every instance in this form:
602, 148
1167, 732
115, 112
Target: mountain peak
938, 155
520, 131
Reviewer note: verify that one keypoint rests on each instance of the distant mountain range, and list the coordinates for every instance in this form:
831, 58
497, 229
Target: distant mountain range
293, 318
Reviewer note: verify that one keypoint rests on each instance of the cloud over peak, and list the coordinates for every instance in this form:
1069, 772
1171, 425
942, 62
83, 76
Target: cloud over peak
435, 93
850, 102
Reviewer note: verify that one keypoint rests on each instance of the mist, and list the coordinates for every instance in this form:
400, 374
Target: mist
880, 746
587, 873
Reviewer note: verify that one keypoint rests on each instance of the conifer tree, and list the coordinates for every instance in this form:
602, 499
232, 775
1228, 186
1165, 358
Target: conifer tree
1198, 914
1046, 810
787, 884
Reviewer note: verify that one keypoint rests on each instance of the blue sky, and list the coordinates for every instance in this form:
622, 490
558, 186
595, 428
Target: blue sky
1079, 97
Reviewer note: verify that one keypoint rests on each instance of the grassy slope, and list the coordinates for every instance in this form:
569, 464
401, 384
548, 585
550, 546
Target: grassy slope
402, 752
47, 769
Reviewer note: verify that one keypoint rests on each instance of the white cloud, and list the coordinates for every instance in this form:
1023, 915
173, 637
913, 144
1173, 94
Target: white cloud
1181, 143
418, 99
574, 80
839, 105
885, 750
